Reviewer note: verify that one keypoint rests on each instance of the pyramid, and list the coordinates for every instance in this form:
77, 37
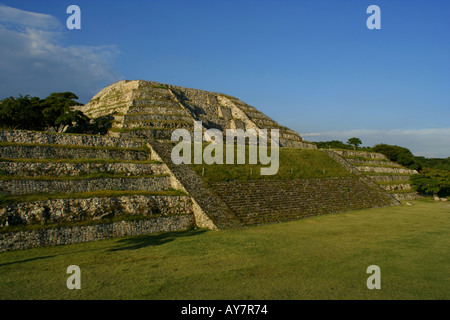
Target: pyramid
152, 110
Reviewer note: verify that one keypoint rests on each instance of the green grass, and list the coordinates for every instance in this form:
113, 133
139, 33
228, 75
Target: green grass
295, 163
323, 257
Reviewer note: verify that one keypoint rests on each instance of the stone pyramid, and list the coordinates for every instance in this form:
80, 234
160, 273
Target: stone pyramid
151, 110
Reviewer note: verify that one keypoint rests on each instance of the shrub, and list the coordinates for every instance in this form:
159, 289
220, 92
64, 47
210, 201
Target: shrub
432, 182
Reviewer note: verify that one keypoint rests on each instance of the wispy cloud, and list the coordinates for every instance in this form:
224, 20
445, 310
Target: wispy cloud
430, 142
20, 18
34, 60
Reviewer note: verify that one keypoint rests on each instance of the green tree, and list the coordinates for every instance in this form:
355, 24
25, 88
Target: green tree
355, 142
397, 154
333, 144
23, 112
58, 112
432, 182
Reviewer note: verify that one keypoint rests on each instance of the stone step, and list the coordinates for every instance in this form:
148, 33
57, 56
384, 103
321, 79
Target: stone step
403, 196
362, 154
150, 133
174, 110
94, 208
393, 187
158, 124
385, 178
156, 103
33, 186
385, 169
152, 94
264, 201
157, 117
66, 168
373, 162
34, 137
35, 151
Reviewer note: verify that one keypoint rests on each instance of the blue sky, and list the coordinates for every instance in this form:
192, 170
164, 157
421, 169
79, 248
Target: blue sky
313, 65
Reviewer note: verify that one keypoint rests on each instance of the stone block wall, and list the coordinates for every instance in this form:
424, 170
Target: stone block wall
60, 152
21, 136
92, 209
31, 186
61, 236
58, 169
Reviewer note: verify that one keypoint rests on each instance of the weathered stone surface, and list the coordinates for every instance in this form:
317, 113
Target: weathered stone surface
151, 101
267, 201
23, 136
25, 186
61, 236
406, 196
363, 154
76, 210
47, 152
387, 170
211, 211
57, 169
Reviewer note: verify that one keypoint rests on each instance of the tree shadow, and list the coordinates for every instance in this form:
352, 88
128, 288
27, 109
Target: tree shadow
27, 260
138, 242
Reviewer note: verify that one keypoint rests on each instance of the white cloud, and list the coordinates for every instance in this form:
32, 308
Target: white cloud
34, 61
431, 142
20, 18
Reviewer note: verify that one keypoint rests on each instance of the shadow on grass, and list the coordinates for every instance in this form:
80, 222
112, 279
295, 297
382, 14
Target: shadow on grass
26, 260
138, 242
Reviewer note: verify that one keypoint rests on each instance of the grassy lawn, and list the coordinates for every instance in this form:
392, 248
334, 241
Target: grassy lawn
323, 257
295, 163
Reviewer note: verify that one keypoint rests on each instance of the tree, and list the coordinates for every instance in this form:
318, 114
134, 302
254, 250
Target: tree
58, 113
23, 112
355, 142
432, 182
397, 154
333, 144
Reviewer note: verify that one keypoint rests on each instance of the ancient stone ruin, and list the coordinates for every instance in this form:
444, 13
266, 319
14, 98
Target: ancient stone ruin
79, 188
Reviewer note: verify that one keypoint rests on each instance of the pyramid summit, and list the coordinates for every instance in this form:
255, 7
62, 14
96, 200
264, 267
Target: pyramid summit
152, 110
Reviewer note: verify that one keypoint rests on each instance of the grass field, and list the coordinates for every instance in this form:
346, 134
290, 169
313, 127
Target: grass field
323, 257
294, 163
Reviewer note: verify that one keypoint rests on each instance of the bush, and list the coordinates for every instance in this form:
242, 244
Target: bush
432, 182
55, 112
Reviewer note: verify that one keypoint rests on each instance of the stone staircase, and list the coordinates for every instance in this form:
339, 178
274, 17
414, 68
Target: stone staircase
269, 201
386, 174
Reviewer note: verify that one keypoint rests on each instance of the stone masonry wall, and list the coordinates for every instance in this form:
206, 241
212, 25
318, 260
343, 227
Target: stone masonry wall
35, 169
87, 209
20, 136
62, 236
363, 154
47, 152
30, 186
